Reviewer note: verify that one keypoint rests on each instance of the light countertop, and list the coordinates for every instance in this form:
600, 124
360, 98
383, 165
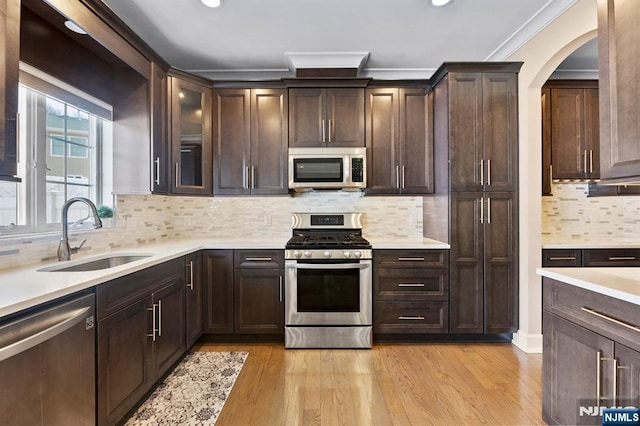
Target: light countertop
621, 283
23, 288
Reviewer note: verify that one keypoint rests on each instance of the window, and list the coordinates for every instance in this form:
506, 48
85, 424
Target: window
64, 146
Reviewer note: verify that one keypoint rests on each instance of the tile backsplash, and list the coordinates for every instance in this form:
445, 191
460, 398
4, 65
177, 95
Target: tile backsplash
147, 219
569, 215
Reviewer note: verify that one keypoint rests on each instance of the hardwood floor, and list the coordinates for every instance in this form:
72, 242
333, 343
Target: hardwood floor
391, 384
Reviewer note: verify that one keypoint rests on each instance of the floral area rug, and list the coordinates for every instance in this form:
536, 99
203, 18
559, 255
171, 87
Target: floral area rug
194, 393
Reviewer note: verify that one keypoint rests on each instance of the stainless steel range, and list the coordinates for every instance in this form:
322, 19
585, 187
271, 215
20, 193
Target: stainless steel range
328, 282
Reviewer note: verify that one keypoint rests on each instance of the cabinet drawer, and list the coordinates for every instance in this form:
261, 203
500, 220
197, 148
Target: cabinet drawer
561, 257
411, 258
411, 317
118, 293
611, 257
258, 258
617, 319
411, 284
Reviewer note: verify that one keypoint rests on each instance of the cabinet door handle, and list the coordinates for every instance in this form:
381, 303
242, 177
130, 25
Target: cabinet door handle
488, 172
157, 179
324, 132
397, 177
246, 178
410, 284
615, 382
613, 320
190, 283
280, 288
488, 209
411, 259
159, 318
177, 175
617, 258
585, 161
481, 172
258, 259
553, 258
481, 210
253, 178
329, 130
590, 161
153, 322
402, 177
411, 318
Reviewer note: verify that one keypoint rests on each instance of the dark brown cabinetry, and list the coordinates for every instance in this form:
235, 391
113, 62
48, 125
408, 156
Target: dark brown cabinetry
618, 29
326, 117
193, 299
411, 291
250, 141
190, 135
244, 292
140, 335
399, 141
475, 109
613, 257
570, 126
159, 104
590, 352
10, 34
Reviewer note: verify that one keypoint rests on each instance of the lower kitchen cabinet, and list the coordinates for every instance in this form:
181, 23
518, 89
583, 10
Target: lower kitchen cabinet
244, 292
140, 335
591, 353
193, 299
411, 291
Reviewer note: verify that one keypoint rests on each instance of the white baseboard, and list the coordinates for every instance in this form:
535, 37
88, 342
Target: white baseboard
529, 343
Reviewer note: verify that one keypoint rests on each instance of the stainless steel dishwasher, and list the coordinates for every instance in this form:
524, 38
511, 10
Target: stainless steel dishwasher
47, 365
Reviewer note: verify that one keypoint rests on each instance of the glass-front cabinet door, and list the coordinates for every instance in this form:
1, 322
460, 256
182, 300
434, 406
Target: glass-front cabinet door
191, 137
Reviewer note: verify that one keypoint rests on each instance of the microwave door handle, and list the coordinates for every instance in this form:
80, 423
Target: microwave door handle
328, 265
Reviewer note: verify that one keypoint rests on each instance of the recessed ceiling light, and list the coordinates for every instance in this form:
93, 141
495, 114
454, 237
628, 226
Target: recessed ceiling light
439, 3
74, 27
212, 3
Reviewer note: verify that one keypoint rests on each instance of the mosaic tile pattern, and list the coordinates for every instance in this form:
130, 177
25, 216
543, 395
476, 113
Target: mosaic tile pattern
149, 219
569, 215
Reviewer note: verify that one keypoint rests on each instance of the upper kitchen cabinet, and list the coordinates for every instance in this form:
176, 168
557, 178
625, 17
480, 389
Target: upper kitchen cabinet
9, 59
190, 134
399, 141
326, 117
571, 123
159, 136
250, 141
483, 130
618, 32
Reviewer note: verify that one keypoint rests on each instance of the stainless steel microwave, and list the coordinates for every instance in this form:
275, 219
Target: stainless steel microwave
327, 168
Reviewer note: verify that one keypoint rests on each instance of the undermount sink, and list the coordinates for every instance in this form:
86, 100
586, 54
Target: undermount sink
95, 264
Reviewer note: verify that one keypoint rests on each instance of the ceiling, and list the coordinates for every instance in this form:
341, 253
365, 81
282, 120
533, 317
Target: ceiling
252, 39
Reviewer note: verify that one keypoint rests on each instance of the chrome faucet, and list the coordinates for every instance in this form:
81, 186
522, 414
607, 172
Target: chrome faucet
64, 250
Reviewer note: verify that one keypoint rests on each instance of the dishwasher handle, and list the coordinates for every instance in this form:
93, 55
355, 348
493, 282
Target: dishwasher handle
73, 318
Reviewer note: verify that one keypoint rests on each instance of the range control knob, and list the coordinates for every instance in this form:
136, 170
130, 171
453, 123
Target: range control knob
307, 253
358, 254
327, 254
347, 253
297, 254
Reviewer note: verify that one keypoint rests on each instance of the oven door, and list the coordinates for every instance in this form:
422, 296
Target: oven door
328, 292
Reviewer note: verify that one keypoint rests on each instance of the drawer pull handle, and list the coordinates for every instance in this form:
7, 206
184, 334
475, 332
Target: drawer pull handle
562, 258
411, 259
614, 258
410, 284
412, 318
613, 320
258, 259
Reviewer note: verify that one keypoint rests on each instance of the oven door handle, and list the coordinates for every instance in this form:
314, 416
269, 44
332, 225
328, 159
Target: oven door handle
328, 265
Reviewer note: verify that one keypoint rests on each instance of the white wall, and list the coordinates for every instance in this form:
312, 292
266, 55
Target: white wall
541, 55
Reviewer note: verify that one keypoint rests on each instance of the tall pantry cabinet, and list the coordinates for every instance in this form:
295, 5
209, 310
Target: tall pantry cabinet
476, 135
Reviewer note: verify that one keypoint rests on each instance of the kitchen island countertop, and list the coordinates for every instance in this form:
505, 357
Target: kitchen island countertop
621, 283
23, 288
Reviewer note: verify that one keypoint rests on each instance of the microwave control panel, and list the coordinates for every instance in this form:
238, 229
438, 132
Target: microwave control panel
357, 169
